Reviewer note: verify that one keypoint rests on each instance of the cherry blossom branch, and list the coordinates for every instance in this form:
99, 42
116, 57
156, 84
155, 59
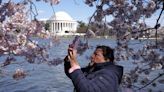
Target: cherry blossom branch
32, 4
40, 49
90, 20
160, 75
158, 25
93, 14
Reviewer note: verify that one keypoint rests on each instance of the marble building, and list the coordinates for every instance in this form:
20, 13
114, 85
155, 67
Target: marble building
61, 23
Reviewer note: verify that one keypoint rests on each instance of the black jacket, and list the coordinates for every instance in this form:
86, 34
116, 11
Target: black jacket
102, 77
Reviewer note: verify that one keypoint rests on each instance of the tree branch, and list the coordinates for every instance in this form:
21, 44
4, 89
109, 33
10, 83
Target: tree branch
160, 75
158, 25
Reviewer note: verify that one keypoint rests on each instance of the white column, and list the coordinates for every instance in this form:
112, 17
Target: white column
53, 27
74, 26
69, 26
66, 25
61, 26
58, 26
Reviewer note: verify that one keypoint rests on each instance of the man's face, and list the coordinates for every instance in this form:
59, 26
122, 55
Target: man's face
97, 56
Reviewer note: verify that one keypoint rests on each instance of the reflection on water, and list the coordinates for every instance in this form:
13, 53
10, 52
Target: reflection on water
45, 78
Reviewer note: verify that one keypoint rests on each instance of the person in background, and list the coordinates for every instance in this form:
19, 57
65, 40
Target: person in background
101, 75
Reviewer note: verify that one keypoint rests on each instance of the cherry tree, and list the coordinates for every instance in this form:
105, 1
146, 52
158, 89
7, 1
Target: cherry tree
127, 25
18, 27
18, 24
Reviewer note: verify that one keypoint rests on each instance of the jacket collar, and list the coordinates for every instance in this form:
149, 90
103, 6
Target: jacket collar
101, 65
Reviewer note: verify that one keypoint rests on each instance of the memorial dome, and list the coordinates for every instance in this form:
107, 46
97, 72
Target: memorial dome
61, 15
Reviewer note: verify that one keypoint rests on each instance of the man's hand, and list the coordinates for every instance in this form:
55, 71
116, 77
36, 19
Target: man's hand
72, 57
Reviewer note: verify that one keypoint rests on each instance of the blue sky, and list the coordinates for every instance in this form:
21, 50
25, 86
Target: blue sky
78, 10
75, 8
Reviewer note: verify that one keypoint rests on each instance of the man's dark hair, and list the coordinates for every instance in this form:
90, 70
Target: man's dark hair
108, 52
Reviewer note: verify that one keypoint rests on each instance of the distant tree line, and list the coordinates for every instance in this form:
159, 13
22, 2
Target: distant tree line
102, 31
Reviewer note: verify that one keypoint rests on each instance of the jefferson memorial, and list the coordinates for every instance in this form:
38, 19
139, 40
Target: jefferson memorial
62, 23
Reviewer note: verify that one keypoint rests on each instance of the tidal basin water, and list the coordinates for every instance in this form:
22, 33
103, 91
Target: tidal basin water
45, 78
